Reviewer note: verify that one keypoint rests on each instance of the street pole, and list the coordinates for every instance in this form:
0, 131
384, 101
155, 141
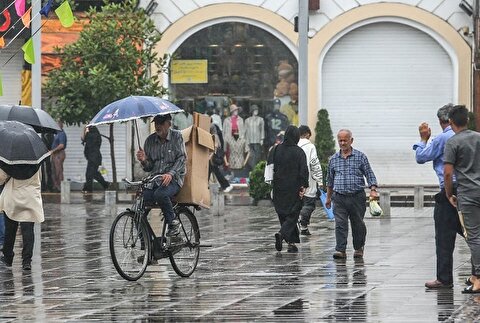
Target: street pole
303, 62
37, 66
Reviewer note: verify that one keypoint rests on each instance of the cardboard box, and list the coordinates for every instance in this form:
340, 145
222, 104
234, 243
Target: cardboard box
199, 145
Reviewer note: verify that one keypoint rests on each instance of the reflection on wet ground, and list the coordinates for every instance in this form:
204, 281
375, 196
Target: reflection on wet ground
241, 277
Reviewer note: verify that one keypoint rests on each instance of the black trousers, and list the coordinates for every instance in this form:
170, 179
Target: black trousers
447, 226
288, 227
28, 238
218, 174
91, 174
350, 207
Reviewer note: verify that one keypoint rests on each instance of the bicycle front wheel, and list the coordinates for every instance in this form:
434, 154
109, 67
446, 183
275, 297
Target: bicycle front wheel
129, 246
184, 249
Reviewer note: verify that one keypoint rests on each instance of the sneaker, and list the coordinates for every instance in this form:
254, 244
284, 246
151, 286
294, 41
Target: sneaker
292, 248
27, 267
278, 241
173, 228
4, 261
339, 255
305, 232
228, 189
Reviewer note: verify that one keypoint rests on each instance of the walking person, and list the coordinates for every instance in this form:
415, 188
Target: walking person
21, 202
164, 153
347, 170
218, 159
58, 157
462, 155
290, 179
447, 223
314, 177
92, 141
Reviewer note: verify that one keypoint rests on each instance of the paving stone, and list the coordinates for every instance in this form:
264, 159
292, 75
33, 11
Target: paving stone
241, 277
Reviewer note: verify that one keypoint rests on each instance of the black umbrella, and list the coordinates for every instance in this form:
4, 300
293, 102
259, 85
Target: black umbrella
40, 120
21, 144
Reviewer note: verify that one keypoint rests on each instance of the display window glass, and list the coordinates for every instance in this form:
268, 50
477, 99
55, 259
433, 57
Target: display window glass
232, 62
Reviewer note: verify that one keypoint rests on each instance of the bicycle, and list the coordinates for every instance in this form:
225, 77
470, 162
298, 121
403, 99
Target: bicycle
134, 246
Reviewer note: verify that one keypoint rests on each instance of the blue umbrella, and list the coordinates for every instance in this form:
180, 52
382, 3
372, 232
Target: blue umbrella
132, 108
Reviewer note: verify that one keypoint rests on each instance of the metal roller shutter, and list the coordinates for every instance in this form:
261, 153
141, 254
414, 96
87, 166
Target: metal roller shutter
381, 81
76, 164
12, 72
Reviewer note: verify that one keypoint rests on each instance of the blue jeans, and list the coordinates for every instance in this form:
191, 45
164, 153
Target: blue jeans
2, 228
162, 195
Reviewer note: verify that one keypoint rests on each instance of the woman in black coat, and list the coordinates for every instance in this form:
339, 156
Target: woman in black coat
289, 182
93, 141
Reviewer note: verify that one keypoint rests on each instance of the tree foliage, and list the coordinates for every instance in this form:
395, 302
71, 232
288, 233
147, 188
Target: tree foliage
110, 60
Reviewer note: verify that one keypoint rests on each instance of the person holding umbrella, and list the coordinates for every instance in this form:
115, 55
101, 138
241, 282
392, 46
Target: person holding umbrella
21, 199
164, 153
58, 156
92, 140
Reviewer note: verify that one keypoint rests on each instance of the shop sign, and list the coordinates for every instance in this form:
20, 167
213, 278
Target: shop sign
189, 71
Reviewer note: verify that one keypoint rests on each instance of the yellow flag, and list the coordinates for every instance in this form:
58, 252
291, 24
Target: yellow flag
2, 42
1, 86
28, 52
26, 18
65, 14
26, 87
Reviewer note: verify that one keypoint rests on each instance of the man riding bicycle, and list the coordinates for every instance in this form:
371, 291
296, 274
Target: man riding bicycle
164, 153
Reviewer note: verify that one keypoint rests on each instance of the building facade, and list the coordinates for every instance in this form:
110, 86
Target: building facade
380, 68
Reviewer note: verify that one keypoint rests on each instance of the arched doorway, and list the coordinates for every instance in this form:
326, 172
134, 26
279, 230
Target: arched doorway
382, 80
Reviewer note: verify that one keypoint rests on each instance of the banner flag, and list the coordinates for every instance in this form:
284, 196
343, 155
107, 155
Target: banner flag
65, 14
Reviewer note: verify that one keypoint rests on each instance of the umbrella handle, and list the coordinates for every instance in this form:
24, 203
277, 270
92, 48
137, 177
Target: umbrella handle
138, 137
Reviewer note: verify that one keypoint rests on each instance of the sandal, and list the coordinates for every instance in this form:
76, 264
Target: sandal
470, 290
468, 282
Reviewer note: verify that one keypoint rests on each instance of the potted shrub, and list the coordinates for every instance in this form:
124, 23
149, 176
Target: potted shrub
257, 188
324, 141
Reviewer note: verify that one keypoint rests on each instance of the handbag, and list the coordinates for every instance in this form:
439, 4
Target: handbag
269, 170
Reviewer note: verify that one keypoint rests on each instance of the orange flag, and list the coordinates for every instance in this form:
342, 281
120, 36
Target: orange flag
26, 18
2, 42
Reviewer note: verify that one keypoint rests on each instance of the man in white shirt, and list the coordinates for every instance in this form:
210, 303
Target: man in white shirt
315, 176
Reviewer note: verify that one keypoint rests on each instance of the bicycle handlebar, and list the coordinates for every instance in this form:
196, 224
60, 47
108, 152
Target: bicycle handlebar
147, 179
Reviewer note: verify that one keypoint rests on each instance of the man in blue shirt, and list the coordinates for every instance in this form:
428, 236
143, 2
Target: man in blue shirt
58, 157
447, 223
347, 170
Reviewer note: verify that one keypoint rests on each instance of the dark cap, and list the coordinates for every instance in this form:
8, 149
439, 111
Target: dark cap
162, 118
277, 101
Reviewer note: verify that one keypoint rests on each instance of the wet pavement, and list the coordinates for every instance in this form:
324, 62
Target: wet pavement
241, 277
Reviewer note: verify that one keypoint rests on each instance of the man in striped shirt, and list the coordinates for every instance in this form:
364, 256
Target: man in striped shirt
164, 153
347, 170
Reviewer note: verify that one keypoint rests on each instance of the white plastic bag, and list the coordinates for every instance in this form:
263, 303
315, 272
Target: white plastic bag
375, 209
268, 173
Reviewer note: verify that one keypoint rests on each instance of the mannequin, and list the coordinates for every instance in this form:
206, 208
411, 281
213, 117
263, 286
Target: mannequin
233, 123
291, 108
254, 135
238, 154
183, 119
275, 122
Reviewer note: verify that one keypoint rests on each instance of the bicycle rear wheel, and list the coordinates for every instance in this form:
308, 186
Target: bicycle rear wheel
129, 246
184, 249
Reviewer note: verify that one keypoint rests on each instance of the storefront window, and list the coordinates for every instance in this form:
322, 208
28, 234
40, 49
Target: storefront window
241, 63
